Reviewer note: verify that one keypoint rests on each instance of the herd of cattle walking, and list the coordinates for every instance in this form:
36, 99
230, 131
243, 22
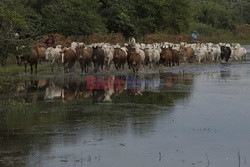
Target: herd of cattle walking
135, 55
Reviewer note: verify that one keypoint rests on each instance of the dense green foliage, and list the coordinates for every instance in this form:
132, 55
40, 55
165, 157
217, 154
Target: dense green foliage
129, 17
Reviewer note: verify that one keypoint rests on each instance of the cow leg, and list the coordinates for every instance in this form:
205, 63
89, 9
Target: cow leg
52, 65
133, 69
82, 67
65, 68
36, 67
119, 66
58, 63
31, 68
129, 65
96, 68
116, 66
86, 69
108, 66
25, 67
102, 67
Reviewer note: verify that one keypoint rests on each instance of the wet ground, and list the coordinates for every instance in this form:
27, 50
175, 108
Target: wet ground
200, 117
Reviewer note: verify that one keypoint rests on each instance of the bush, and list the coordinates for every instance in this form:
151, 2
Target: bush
201, 28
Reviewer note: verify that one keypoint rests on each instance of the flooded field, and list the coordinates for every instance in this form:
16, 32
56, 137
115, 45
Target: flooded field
200, 117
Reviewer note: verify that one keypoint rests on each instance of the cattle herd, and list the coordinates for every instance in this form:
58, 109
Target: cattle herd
135, 55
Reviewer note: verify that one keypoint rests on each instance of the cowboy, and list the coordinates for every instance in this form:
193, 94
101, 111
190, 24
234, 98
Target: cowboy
132, 40
195, 36
50, 41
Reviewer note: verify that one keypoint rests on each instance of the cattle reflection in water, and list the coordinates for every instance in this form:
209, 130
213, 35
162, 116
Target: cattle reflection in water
72, 88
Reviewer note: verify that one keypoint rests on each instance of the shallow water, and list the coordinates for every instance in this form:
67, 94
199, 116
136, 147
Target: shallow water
202, 109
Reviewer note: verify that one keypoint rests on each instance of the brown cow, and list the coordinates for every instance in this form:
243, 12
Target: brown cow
175, 57
187, 53
31, 58
130, 50
68, 59
98, 58
135, 60
84, 56
166, 57
41, 52
120, 58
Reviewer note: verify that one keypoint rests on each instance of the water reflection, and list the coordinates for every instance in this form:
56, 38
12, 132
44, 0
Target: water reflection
71, 88
43, 110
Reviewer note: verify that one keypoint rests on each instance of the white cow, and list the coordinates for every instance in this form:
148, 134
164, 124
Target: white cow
238, 52
214, 52
149, 52
53, 55
156, 57
109, 54
200, 52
